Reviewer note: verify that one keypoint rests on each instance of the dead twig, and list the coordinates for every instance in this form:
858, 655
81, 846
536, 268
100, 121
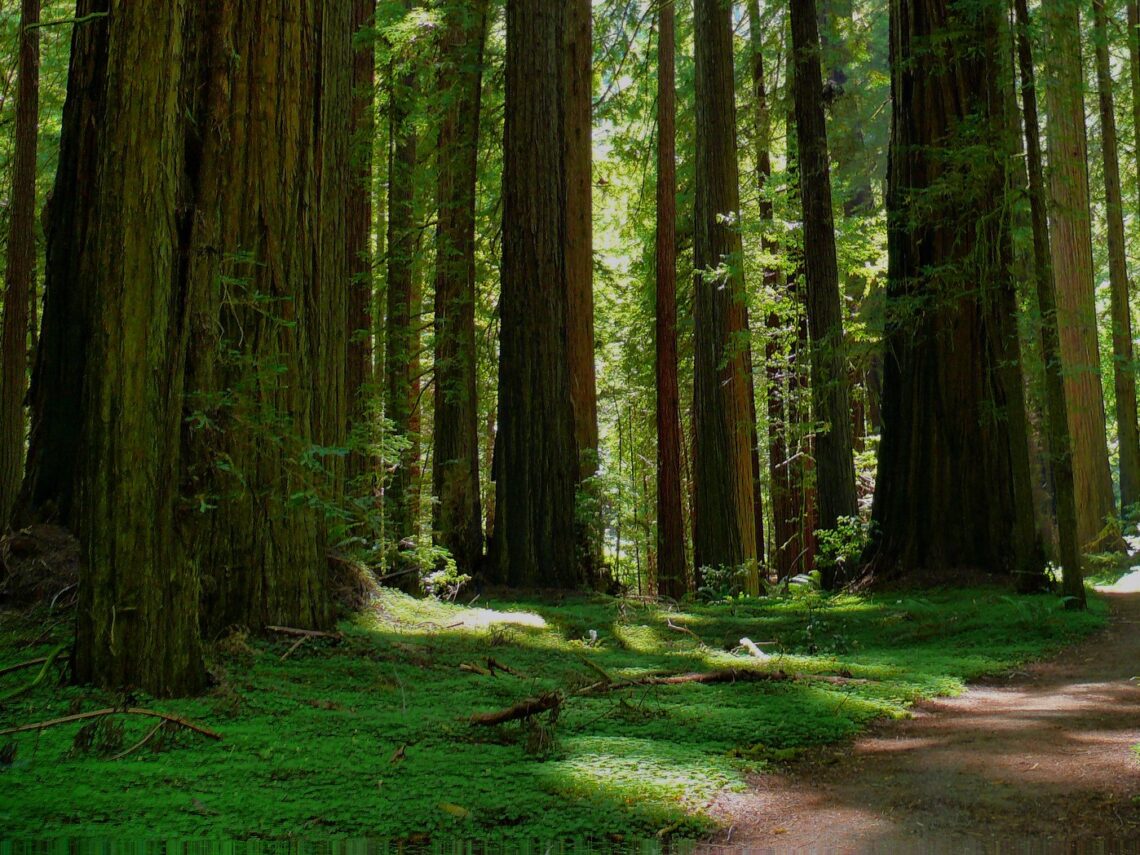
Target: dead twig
669, 623
181, 722
523, 709
150, 734
494, 665
31, 663
293, 647
304, 633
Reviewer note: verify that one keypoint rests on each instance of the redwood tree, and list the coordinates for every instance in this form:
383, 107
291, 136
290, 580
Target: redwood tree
1071, 228
536, 452
724, 525
671, 580
457, 520
834, 463
953, 481
1123, 371
20, 273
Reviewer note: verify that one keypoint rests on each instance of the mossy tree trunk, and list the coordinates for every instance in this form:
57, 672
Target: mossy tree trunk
1073, 268
834, 462
401, 339
359, 371
20, 272
1057, 417
267, 263
953, 483
457, 517
52, 471
137, 620
671, 577
724, 521
1123, 370
536, 457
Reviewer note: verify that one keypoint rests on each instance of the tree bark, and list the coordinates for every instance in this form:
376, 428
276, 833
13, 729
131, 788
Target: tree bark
138, 609
1057, 416
953, 485
724, 503
52, 470
1123, 372
20, 273
835, 467
671, 578
537, 455
1073, 268
267, 261
457, 519
579, 81
401, 340
359, 373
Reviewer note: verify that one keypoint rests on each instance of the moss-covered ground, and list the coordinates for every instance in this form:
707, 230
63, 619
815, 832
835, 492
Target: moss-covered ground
368, 737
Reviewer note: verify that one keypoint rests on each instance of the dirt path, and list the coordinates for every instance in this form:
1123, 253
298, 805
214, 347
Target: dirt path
1040, 761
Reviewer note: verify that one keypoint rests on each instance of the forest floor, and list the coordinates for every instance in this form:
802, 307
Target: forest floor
368, 735
1039, 759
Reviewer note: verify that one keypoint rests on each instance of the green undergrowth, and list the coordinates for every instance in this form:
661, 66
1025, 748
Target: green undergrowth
368, 737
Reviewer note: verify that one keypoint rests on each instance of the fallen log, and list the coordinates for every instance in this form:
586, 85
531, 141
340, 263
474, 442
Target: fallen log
304, 633
523, 709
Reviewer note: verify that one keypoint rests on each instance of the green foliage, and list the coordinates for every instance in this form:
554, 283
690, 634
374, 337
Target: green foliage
369, 737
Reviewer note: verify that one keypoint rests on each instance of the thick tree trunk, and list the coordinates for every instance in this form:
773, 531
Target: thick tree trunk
1123, 372
457, 521
20, 273
579, 81
724, 503
536, 457
671, 579
835, 467
1060, 444
359, 374
1073, 268
401, 340
267, 261
1134, 64
953, 484
58, 379
138, 595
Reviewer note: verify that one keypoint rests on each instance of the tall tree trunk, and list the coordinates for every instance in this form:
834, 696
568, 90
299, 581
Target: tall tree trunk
835, 467
401, 340
359, 375
1134, 64
671, 581
953, 486
138, 594
579, 81
267, 369
1073, 268
20, 273
724, 503
59, 375
1123, 372
1057, 417
784, 513
457, 519
536, 458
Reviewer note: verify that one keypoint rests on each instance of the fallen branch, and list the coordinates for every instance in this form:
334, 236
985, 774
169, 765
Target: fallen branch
494, 665
31, 663
730, 675
182, 722
676, 628
293, 647
598, 669
472, 668
523, 709
304, 633
39, 678
141, 742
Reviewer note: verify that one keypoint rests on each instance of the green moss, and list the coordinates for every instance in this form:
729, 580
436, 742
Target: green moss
312, 744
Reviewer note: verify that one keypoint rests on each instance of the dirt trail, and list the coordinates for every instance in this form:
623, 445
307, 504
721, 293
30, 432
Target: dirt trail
1040, 761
